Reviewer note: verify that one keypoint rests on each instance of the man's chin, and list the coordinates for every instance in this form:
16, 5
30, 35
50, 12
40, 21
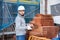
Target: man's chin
22, 15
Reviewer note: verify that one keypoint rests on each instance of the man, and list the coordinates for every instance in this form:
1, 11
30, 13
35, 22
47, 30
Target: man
20, 24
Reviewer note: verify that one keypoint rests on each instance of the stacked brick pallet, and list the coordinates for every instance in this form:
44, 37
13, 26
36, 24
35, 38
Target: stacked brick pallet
45, 31
44, 26
43, 20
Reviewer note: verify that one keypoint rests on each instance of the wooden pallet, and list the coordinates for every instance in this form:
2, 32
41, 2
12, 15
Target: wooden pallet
37, 38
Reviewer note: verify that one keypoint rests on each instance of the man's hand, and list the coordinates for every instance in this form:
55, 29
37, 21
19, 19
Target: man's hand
31, 25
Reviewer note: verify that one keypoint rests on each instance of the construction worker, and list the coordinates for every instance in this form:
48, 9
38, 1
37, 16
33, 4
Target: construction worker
20, 24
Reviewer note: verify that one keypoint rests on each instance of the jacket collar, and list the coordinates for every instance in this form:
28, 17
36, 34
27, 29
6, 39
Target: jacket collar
20, 15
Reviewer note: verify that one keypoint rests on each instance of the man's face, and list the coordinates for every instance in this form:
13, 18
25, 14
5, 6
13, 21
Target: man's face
21, 12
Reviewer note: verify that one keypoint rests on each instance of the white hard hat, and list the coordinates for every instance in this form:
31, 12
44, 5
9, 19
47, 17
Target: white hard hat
21, 8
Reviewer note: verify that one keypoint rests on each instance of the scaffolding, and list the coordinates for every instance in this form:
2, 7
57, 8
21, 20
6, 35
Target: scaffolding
9, 12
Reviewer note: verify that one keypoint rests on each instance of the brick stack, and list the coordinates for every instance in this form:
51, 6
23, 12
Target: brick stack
45, 31
44, 26
43, 20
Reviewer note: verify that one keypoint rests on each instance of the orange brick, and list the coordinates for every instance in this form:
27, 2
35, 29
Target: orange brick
43, 20
45, 31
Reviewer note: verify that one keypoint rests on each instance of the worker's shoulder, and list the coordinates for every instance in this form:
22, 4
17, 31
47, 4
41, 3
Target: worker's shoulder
18, 18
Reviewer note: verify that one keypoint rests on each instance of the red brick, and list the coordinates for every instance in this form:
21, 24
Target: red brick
43, 20
45, 31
